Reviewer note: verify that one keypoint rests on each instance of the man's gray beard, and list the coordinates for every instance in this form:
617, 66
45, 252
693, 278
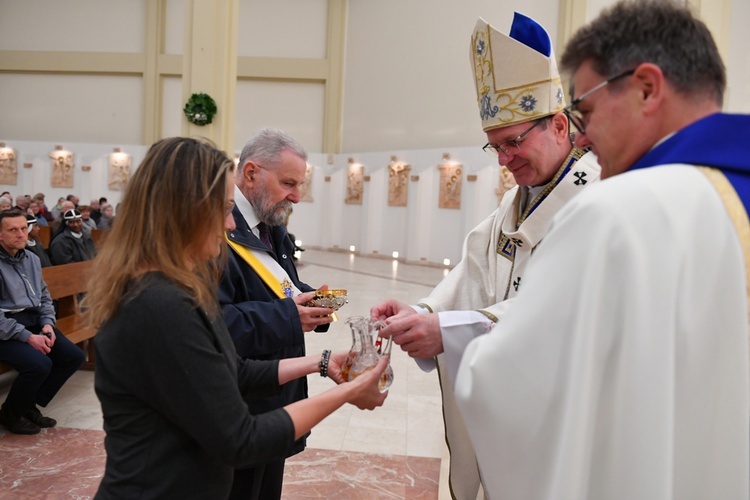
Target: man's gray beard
269, 214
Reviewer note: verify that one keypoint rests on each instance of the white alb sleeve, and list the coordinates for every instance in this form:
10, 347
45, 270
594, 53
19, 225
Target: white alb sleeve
457, 328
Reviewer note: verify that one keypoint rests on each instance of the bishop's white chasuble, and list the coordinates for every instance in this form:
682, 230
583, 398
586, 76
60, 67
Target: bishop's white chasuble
488, 277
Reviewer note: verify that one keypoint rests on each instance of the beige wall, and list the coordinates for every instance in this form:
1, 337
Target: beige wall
408, 80
79, 71
737, 58
365, 79
83, 25
71, 107
79, 108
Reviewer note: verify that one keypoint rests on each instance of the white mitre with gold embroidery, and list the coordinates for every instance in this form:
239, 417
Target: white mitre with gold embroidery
516, 75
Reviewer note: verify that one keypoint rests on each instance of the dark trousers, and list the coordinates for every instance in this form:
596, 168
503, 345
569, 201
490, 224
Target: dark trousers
40, 376
258, 483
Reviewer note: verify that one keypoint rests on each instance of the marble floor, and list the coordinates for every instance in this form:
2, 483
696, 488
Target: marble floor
396, 451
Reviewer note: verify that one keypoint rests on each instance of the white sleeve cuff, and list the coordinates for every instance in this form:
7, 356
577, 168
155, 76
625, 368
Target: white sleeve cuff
459, 328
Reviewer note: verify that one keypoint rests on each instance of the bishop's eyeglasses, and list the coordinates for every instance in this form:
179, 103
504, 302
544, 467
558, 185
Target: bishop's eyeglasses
513, 146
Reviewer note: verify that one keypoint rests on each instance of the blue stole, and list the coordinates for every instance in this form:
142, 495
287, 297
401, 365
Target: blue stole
721, 141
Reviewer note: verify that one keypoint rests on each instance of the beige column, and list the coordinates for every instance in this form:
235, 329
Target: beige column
210, 65
152, 98
334, 78
717, 16
571, 16
715, 13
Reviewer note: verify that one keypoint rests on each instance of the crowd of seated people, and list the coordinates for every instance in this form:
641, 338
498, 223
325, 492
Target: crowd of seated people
70, 225
29, 340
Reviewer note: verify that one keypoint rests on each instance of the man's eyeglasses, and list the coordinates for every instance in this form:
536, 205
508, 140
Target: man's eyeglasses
575, 116
511, 147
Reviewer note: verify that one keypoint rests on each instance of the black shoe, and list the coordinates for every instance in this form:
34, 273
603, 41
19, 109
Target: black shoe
17, 424
36, 417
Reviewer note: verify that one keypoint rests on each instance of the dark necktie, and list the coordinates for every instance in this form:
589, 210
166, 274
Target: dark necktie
265, 235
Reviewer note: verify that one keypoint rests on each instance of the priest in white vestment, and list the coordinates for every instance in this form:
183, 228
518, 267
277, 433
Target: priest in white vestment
520, 101
621, 370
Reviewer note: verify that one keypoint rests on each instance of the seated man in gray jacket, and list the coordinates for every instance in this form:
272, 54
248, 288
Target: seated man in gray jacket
29, 342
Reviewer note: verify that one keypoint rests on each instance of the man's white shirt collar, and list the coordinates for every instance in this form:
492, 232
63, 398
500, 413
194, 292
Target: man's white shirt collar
246, 209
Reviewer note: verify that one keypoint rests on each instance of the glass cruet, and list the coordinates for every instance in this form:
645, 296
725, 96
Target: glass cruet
363, 355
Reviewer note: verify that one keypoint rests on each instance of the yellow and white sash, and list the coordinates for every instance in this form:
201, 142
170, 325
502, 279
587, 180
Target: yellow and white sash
272, 274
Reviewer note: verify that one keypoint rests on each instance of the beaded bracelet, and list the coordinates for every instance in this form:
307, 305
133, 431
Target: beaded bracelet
323, 365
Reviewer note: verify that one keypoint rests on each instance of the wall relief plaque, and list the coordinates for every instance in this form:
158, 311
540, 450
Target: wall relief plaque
8, 165
63, 167
119, 170
450, 185
355, 187
398, 187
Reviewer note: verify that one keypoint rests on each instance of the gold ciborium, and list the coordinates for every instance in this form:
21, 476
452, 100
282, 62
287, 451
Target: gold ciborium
333, 299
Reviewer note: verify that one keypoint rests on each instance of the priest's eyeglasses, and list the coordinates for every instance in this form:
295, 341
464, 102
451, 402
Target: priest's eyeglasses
576, 116
513, 146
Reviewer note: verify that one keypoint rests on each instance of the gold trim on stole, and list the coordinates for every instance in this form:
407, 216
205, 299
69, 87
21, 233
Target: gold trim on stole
737, 213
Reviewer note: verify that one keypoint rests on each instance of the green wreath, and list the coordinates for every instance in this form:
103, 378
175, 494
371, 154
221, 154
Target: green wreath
200, 109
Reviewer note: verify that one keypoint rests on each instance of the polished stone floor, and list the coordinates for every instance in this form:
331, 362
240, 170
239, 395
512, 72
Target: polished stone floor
396, 451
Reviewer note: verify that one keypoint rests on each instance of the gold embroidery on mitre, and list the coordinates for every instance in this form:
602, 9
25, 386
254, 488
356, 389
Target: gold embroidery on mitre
484, 75
501, 104
520, 103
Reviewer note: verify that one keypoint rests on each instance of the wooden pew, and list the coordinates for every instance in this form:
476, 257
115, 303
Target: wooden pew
65, 283
99, 235
45, 234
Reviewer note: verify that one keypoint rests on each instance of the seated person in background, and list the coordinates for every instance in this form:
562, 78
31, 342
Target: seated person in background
95, 212
70, 243
57, 210
107, 218
55, 225
6, 203
29, 342
43, 210
37, 213
88, 222
73, 199
22, 202
34, 244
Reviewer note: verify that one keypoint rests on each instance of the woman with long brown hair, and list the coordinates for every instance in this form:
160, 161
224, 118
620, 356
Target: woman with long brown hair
167, 374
